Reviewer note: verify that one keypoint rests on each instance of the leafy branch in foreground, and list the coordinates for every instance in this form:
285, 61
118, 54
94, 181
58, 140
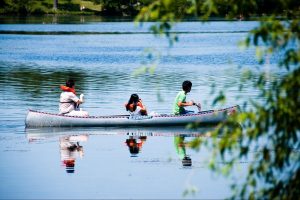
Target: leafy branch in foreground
270, 126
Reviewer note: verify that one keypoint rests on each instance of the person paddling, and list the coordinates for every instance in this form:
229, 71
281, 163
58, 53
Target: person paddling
135, 106
180, 100
69, 102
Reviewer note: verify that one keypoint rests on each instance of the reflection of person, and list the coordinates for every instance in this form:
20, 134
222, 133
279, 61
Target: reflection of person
69, 102
70, 149
135, 144
135, 106
180, 145
180, 100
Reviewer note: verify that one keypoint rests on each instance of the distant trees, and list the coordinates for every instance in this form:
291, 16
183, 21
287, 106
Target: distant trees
40, 7
132, 7
121, 7
22, 7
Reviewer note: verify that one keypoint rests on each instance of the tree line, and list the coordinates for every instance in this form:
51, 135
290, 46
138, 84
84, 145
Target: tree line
133, 7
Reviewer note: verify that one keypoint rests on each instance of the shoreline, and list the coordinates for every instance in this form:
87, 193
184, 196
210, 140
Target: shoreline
79, 19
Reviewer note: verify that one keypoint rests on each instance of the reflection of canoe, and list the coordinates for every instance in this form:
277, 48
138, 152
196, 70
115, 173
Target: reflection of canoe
43, 119
33, 134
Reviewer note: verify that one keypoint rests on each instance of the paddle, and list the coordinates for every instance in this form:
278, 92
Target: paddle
81, 101
198, 106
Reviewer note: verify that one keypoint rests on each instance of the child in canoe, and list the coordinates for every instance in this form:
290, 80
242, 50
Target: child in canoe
135, 106
180, 100
69, 102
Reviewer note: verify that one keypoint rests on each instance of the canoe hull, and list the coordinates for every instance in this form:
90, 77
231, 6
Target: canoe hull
43, 119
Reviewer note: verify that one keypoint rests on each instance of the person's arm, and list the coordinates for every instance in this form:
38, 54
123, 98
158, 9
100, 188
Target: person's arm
143, 107
183, 104
80, 99
76, 99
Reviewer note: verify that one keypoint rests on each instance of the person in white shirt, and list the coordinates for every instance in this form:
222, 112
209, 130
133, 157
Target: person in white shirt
135, 106
69, 102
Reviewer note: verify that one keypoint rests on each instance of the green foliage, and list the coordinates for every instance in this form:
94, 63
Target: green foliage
39, 7
21, 7
96, 1
166, 12
122, 7
272, 126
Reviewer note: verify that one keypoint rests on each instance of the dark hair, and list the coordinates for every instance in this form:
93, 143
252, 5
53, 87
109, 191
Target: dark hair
186, 85
134, 99
134, 148
70, 83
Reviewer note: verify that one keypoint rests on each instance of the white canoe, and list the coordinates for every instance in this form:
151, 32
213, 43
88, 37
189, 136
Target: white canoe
44, 119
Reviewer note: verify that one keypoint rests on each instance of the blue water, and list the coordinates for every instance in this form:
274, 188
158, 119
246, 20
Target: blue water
130, 27
32, 67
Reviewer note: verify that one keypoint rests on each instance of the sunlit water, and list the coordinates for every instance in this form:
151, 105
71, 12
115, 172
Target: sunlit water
32, 66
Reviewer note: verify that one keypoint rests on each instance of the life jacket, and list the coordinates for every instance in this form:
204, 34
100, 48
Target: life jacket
67, 89
134, 143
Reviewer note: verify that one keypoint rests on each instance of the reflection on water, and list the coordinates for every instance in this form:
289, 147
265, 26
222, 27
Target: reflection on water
86, 162
70, 149
135, 144
70, 140
180, 145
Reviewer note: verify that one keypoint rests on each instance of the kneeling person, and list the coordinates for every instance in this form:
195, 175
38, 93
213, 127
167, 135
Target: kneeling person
180, 100
135, 106
69, 102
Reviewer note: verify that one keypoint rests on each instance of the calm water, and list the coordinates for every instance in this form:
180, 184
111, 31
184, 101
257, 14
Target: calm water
32, 66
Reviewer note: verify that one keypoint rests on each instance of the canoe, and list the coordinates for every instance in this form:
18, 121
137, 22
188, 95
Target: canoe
44, 119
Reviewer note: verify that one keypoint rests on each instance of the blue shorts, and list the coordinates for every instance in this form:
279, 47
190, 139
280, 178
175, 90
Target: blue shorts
187, 112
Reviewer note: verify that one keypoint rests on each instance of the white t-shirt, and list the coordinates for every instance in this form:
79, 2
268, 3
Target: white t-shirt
137, 112
67, 102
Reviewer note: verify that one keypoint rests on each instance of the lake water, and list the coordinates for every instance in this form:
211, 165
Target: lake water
103, 58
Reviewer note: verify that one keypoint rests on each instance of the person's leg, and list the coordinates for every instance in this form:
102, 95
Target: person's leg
187, 112
78, 113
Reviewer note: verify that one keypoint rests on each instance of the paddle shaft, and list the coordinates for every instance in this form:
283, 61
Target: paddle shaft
197, 105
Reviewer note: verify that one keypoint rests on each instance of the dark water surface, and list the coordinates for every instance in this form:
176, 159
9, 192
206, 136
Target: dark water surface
113, 163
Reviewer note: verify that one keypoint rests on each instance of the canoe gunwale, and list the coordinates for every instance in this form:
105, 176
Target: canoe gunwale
88, 117
127, 116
